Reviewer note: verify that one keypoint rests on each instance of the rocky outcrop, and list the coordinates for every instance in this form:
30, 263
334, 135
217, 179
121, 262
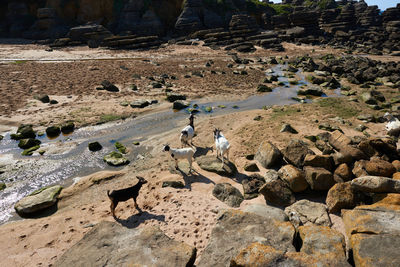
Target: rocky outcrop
310, 212
190, 19
38, 201
103, 245
235, 230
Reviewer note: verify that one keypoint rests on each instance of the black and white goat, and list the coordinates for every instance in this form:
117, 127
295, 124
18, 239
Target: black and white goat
187, 133
222, 145
393, 125
181, 153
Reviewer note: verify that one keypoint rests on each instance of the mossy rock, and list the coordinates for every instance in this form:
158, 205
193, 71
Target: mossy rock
115, 159
208, 109
1, 137
53, 131
24, 131
121, 148
263, 88
28, 143
38, 200
172, 97
95, 146
136, 143
29, 151
173, 184
68, 127
2, 186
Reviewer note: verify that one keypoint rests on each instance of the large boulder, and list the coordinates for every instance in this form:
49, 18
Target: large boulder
376, 184
268, 212
235, 230
212, 164
251, 185
28, 143
111, 244
342, 143
294, 177
379, 167
374, 234
24, 131
275, 191
341, 196
228, 194
323, 243
295, 152
190, 19
310, 212
268, 155
38, 201
319, 178
344, 172
323, 161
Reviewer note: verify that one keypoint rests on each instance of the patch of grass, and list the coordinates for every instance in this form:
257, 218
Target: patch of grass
18, 62
281, 9
283, 112
111, 117
338, 107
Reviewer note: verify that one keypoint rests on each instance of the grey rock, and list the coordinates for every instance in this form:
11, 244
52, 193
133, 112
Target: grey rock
38, 201
228, 194
106, 245
376, 184
268, 212
288, 128
115, 159
310, 212
251, 185
275, 191
212, 164
140, 103
295, 152
319, 178
268, 155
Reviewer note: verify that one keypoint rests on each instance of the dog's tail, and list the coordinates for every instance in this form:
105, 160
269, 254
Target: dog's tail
108, 193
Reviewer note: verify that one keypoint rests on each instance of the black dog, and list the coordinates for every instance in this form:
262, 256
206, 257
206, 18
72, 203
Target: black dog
117, 196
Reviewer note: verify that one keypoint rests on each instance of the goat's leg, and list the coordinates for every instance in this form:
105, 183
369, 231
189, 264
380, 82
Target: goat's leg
227, 154
176, 164
217, 151
190, 164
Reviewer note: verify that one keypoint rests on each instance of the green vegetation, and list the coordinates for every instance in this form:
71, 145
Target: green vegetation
19, 62
338, 107
29, 151
323, 4
111, 117
121, 148
283, 112
281, 9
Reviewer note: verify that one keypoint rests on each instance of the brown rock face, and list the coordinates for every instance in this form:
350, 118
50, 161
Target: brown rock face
294, 177
323, 161
396, 164
342, 144
276, 192
340, 196
106, 244
295, 152
323, 243
344, 172
396, 176
359, 168
268, 155
319, 178
380, 168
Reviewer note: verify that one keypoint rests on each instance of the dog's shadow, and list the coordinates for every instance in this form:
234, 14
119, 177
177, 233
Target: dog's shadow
137, 219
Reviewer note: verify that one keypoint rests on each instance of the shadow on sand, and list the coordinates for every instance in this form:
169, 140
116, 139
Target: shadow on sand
136, 219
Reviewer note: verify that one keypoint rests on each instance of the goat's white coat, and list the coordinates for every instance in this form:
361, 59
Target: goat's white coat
186, 138
182, 153
222, 146
393, 126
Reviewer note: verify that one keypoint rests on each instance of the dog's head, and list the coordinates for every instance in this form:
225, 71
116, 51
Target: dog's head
141, 180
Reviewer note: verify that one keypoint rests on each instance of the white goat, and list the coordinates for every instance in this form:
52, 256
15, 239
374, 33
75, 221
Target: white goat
221, 144
187, 133
393, 125
181, 153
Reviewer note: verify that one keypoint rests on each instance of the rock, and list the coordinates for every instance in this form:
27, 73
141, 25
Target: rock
172, 97
173, 184
38, 201
251, 167
310, 212
378, 167
120, 147
359, 168
228, 194
268, 212
319, 178
53, 131
178, 105
115, 159
288, 128
342, 144
295, 152
344, 172
396, 164
24, 131
67, 127
236, 230
257, 254
212, 164
324, 243
104, 245
262, 88
29, 151
376, 184
251, 185
95, 146
341, 196
368, 98
315, 91
268, 155
323, 161
42, 98
275, 190
140, 103
107, 85
324, 147
396, 176
294, 177
28, 143
374, 234
2, 186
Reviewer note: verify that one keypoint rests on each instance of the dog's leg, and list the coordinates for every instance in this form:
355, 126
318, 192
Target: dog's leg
112, 207
176, 164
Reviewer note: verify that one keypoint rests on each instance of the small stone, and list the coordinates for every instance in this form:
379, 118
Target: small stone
288, 128
95, 146
251, 167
